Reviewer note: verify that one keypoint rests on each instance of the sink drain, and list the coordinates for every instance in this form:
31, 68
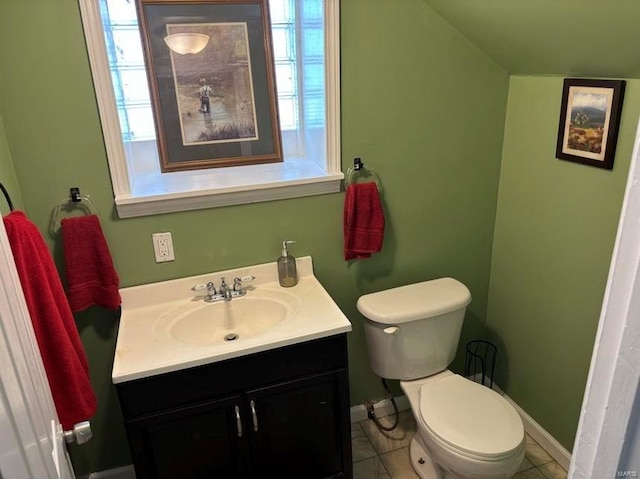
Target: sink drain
231, 337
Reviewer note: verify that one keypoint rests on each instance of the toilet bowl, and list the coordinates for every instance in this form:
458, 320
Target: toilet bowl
464, 430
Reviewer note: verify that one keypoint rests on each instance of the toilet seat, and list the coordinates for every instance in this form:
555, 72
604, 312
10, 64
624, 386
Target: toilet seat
470, 419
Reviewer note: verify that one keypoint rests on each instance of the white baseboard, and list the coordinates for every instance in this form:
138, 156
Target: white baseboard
125, 472
381, 407
536, 431
531, 427
540, 434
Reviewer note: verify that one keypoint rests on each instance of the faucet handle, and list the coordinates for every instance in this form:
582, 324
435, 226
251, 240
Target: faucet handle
237, 282
211, 289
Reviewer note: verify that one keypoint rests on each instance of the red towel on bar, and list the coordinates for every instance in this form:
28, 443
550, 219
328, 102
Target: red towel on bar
62, 353
363, 221
91, 277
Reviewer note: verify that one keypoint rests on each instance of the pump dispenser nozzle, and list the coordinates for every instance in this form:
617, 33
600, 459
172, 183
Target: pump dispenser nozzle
285, 247
287, 272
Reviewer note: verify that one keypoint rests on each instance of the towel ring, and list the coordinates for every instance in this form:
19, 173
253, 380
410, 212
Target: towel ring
7, 197
359, 169
74, 200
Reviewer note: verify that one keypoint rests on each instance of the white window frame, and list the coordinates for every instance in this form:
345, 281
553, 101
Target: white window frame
244, 184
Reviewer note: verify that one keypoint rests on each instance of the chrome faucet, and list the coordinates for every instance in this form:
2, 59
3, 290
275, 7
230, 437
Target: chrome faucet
224, 292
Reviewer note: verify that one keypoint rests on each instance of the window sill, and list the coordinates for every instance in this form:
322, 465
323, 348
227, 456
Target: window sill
155, 193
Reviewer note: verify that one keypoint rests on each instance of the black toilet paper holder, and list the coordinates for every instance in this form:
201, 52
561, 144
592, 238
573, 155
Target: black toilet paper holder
480, 362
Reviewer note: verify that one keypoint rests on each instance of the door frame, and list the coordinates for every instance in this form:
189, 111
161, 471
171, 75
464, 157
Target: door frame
614, 374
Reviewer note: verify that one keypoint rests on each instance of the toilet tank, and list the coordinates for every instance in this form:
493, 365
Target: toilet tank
413, 331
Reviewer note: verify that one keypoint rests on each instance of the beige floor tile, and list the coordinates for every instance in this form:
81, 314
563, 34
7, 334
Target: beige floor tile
384, 454
398, 464
385, 441
371, 468
553, 470
361, 448
535, 453
529, 474
525, 465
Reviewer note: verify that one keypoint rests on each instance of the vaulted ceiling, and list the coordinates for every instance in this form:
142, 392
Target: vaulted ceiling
589, 38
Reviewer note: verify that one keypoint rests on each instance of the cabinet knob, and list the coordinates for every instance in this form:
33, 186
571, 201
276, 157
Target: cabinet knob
238, 421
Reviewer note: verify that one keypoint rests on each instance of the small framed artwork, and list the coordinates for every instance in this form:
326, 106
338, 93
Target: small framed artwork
589, 121
211, 76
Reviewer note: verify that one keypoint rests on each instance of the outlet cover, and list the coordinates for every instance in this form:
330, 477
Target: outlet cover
163, 247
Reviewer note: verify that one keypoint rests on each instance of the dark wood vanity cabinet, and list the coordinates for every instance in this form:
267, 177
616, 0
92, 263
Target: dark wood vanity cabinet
280, 413
195, 441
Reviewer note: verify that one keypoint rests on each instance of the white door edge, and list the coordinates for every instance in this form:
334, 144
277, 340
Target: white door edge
26, 401
615, 365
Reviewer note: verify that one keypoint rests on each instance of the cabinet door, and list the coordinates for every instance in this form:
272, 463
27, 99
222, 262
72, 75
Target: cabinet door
198, 442
297, 429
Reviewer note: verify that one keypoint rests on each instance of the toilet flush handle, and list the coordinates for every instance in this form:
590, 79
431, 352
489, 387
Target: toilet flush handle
391, 329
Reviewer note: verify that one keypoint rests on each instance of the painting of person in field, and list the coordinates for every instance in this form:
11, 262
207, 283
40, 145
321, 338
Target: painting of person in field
214, 88
588, 121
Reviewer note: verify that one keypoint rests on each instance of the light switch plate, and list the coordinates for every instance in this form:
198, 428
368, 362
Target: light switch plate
163, 247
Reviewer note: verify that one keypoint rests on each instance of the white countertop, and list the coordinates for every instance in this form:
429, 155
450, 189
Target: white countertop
139, 353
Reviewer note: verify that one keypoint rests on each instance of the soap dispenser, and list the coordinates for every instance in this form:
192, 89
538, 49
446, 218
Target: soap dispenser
287, 272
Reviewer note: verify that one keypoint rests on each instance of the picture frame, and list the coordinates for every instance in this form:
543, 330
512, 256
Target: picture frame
212, 82
589, 121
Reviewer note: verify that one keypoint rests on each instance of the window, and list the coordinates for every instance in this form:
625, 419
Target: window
306, 56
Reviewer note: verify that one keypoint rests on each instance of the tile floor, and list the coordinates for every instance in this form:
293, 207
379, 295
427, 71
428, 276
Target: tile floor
378, 455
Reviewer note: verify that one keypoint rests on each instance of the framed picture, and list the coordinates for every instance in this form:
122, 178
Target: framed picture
589, 121
211, 77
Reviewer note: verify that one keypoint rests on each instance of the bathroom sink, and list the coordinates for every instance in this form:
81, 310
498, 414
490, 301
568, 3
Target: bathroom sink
201, 323
167, 326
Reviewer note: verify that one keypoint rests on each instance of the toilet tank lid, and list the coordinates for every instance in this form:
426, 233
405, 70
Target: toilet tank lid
414, 301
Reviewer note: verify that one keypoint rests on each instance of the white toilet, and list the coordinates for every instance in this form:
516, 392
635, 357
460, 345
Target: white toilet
465, 430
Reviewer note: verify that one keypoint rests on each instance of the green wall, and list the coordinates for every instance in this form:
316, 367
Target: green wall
554, 236
421, 106
538, 37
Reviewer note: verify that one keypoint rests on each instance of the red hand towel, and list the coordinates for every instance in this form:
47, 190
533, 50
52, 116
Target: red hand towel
363, 221
91, 277
62, 353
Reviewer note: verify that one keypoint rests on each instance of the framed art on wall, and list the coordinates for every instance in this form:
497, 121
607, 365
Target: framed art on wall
211, 77
589, 121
